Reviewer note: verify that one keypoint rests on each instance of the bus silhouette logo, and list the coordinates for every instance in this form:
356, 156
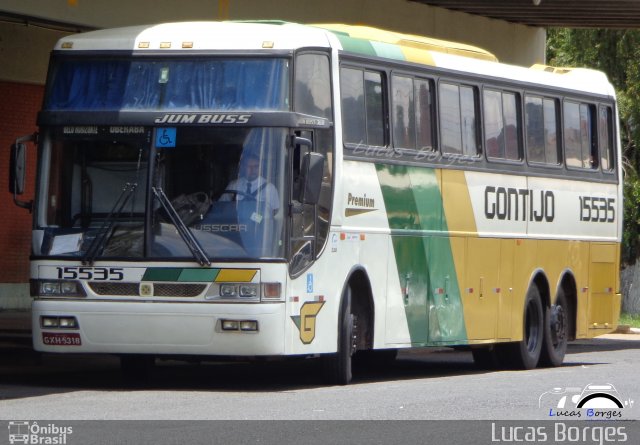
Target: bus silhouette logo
590, 397
18, 432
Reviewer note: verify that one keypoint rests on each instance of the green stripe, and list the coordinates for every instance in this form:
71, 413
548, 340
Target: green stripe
179, 274
199, 275
354, 45
388, 50
426, 269
162, 274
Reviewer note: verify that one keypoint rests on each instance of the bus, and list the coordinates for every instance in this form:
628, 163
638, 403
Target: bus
270, 190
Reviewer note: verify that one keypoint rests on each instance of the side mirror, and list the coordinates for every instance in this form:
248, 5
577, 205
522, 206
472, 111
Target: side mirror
18, 170
311, 177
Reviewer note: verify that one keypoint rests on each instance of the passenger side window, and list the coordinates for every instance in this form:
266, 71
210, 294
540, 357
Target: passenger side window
362, 99
458, 117
541, 125
579, 143
501, 125
411, 113
605, 138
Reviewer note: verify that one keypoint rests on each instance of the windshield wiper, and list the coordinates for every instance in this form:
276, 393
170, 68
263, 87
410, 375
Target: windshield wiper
104, 232
183, 230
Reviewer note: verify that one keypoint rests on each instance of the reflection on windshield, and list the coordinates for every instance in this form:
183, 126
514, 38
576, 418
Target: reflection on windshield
95, 194
225, 185
159, 84
227, 192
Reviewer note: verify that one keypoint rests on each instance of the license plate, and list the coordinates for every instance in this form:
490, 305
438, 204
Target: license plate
60, 339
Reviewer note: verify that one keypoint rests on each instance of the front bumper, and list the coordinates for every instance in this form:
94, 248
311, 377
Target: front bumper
162, 328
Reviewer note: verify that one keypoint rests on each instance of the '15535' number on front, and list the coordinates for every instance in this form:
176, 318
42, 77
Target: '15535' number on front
90, 273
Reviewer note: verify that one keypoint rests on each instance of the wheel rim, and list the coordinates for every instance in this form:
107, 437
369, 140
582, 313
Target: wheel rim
532, 327
558, 322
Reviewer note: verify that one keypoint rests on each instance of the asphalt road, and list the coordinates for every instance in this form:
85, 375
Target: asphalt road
418, 385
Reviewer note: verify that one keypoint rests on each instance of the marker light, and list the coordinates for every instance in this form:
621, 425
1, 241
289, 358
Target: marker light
249, 325
49, 322
271, 290
67, 323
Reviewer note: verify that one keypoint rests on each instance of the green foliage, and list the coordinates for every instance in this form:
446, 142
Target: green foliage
630, 236
617, 53
632, 320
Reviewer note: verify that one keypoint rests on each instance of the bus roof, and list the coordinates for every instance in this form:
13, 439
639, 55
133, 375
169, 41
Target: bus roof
357, 37
257, 35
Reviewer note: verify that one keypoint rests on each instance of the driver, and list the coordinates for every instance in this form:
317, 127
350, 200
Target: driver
251, 186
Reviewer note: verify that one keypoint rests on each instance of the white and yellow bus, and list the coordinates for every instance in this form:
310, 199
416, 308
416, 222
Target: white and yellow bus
267, 189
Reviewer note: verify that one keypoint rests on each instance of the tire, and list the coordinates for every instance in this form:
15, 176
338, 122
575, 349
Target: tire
556, 332
338, 366
525, 354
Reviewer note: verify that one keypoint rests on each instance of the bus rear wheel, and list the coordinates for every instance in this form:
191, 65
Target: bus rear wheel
338, 366
525, 354
556, 332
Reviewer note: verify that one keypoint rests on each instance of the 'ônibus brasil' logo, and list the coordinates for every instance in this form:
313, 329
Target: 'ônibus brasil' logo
32, 433
306, 321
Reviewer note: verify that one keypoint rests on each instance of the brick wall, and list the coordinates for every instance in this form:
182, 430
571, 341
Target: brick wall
19, 105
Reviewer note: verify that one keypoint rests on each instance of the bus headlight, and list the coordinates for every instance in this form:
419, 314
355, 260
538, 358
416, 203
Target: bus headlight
235, 292
228, 290
56, 288
249, 290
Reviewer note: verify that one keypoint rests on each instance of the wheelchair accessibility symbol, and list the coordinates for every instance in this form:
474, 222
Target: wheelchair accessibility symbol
166, 137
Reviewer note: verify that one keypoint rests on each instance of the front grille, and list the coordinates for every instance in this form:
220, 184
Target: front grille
178, 289
183, 290
124, 289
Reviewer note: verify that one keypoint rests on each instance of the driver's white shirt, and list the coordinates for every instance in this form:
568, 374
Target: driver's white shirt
267, 193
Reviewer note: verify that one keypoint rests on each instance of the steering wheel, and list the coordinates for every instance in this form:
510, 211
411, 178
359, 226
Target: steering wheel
235, 194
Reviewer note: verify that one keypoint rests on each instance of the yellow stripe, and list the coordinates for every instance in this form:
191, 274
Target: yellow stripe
457, 203
236, 275
417, 56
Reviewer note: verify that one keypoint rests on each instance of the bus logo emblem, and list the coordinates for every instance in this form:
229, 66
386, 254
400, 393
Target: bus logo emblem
306, 321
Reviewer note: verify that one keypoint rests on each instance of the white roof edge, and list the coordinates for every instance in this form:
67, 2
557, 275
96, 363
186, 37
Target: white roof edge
204, 35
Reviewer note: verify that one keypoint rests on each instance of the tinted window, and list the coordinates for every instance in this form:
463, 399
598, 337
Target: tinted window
424, 114
541, 126
362, 107
605, 138
450, 120
353, 115
313, 85
578, 136
403, 113
458, 119
501, 125
375, 108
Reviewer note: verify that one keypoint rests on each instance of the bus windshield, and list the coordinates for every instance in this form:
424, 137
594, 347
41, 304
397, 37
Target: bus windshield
101, 198
152, 84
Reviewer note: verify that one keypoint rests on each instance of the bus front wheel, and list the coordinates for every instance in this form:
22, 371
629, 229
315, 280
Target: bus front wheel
338, 366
